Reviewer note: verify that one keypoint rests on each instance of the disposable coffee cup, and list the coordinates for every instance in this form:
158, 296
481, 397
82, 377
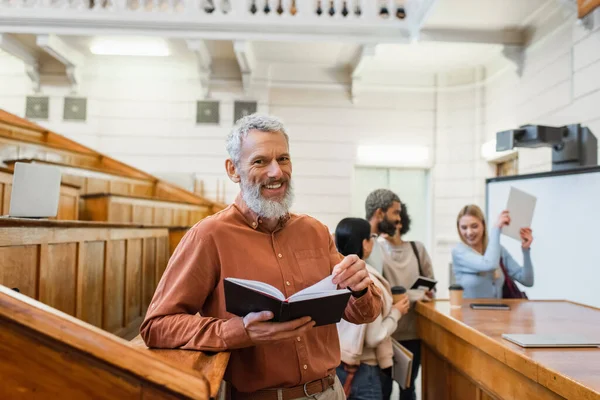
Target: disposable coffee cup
456, 296
398, 293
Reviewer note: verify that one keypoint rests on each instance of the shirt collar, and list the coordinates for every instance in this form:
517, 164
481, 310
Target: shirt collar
252, 218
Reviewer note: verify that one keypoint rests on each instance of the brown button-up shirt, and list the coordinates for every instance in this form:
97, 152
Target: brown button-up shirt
234, 243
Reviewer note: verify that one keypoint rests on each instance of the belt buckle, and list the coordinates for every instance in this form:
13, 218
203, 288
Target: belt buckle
314, 395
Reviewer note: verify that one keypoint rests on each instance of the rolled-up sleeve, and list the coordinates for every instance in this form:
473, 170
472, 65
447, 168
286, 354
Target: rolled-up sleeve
173, 319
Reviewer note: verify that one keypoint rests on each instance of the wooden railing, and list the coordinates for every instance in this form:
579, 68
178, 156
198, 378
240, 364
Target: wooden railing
46, 354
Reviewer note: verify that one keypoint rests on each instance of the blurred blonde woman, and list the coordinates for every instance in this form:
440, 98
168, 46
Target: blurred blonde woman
483, 267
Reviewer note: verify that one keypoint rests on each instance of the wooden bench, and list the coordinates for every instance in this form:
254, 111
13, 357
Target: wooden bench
47, 354
140, 210
212, 366
103, 274
68, 203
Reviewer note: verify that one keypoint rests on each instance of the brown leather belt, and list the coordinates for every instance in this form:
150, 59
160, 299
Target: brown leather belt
309, 389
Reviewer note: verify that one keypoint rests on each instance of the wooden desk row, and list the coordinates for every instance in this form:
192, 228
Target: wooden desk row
464, 356
100, 273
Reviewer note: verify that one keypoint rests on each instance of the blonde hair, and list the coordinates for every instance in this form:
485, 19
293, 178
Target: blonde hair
473, 211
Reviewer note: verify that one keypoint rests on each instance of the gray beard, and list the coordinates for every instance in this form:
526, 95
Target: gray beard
264, 208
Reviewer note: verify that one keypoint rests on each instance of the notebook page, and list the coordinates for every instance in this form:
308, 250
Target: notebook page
307, 296
324, 285
259, 287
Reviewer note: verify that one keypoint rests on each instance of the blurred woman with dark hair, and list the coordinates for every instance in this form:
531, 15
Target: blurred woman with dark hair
403, 263
366, 349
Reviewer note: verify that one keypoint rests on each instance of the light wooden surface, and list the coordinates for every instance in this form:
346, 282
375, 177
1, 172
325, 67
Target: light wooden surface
47, 354
585, 7
101, 274
140, 210
464, 349
68, 203
211, 366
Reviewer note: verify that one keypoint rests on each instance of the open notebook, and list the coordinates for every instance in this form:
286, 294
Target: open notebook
323, 301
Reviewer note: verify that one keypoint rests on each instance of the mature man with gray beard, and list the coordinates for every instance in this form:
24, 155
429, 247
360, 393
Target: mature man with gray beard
258, 238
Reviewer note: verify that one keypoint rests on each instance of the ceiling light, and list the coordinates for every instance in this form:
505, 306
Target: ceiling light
130, 46
393, 156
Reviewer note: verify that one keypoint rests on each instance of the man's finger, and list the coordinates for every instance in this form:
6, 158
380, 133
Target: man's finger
354, 279
255, 317
361, 285
294, 333
347, 273
288, 325
345, 263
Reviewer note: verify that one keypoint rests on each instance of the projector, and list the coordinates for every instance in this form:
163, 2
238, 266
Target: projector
572, 145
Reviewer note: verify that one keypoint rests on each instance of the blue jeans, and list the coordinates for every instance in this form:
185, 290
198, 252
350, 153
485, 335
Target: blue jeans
366, 384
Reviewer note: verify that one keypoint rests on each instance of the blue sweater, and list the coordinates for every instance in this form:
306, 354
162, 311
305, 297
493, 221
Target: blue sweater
475, 272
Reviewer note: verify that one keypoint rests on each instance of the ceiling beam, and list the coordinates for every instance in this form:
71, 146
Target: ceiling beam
508, 37
204, 59
12, 46
244, 53
64, 53
366, 54
417, 17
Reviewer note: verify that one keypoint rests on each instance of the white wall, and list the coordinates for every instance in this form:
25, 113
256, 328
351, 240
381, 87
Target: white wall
560, 85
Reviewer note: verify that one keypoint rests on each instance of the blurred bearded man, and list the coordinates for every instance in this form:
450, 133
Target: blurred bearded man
258, 238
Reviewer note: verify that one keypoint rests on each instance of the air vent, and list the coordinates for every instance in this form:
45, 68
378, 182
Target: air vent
243, 108
207, 112
75, 109
36, 107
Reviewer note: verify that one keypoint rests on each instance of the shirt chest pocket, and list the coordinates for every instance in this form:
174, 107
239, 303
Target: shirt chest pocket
313, 264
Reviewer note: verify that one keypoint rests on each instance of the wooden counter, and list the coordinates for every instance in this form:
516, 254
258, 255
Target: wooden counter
464, 356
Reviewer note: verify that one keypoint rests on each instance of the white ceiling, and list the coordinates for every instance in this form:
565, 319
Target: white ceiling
484, 14
463, 15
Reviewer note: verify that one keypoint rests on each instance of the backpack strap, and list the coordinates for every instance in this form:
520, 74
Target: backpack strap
414, 247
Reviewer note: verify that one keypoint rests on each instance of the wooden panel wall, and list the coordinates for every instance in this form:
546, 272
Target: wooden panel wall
104, 276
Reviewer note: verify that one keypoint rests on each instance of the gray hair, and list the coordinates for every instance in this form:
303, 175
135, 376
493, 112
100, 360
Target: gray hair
263, 123
380, 198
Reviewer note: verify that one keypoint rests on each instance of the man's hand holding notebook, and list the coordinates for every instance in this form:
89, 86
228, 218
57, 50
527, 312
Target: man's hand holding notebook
243, 297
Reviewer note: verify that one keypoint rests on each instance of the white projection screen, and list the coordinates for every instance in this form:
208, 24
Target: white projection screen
566, 246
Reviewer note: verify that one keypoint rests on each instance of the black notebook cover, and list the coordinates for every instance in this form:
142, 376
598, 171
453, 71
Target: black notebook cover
240, 300
427, 282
